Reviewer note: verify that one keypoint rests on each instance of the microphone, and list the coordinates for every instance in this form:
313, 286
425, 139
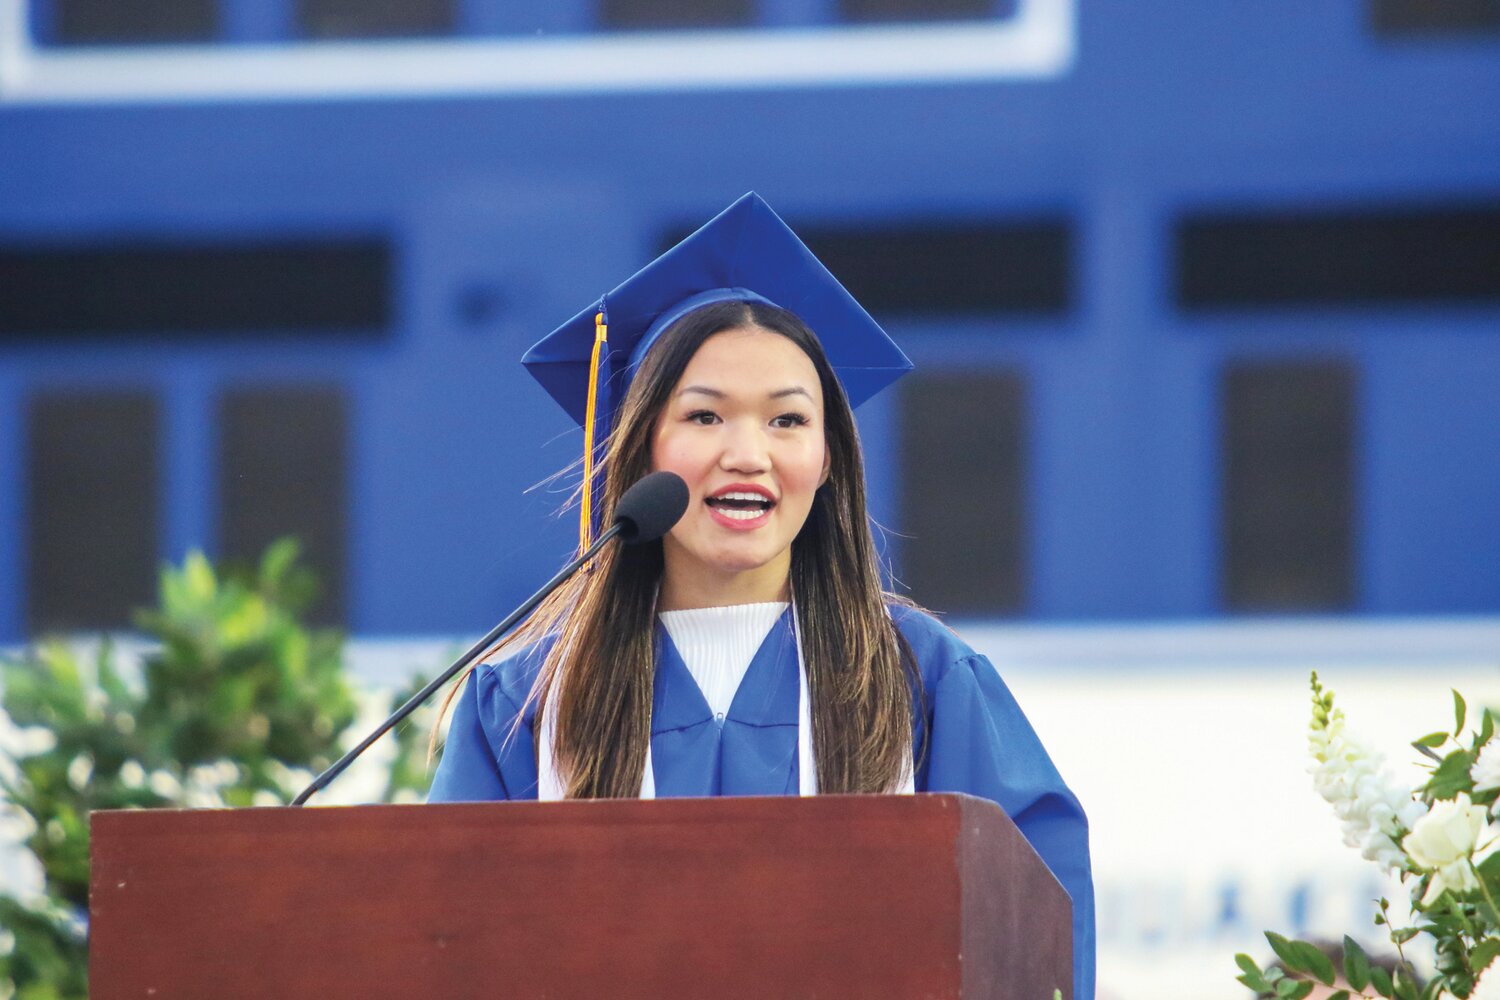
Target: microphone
651, 507
647, 511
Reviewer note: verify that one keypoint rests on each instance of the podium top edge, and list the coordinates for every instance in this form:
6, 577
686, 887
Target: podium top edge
655, 810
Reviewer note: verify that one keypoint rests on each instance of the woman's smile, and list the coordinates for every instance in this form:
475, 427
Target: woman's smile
741, 506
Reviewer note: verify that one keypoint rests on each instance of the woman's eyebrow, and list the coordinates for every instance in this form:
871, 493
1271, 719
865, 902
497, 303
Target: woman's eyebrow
795, 390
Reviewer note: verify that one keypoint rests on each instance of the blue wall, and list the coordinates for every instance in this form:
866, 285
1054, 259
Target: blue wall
544, 202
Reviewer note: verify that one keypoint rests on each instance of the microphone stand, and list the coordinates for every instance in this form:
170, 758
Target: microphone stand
412, 703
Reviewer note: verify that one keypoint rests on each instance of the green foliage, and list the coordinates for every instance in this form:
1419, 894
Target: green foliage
1452, 876
1356, 964
44, 955
411, 771
1451, 776
235, 704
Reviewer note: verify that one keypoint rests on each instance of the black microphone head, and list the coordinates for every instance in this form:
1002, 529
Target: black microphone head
650, 507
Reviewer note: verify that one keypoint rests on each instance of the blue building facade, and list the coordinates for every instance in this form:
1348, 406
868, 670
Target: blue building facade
1229, 270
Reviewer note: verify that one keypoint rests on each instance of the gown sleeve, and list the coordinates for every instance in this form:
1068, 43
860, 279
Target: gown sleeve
469, 771
982, 744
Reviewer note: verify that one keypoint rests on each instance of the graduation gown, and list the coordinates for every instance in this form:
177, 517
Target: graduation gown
970, 736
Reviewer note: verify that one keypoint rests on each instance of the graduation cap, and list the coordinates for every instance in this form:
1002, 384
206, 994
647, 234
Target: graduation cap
743, 254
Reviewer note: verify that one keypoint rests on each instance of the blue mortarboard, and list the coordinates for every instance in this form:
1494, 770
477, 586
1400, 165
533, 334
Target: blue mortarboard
745, 253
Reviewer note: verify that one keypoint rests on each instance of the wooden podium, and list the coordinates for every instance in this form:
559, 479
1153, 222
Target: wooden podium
867, 897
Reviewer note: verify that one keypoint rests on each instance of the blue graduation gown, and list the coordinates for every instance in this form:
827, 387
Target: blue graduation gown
970, 736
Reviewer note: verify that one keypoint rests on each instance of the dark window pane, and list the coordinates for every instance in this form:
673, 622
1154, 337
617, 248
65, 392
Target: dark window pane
1020, 268
675, 13
1458, 17
916, 10
91, 509
1289, 500
114, 22
1379, 256
186, 289
282, 459
963, 473
374, 18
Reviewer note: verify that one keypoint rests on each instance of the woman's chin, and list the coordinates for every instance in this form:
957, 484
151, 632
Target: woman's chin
734, 561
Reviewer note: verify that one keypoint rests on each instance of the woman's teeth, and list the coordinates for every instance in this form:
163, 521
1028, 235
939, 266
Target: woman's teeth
740, 506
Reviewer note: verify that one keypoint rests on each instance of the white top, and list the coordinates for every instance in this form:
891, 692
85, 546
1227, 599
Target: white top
717, 644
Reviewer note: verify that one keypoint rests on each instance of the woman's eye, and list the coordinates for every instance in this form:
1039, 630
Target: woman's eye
702, 417
790, 420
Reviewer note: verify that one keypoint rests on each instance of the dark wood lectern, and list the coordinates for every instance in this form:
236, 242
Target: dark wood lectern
864, 897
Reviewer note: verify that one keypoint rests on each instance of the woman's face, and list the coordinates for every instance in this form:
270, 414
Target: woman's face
743, 427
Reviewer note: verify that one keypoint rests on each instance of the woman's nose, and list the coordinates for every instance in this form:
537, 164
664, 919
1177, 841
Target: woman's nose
744, 450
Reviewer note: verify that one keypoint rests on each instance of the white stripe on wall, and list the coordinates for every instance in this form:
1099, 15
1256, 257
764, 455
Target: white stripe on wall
1037, 42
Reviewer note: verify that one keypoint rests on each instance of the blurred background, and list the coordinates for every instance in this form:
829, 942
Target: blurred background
1203, 300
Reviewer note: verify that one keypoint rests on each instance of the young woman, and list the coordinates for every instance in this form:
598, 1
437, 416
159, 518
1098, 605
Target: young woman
752, 651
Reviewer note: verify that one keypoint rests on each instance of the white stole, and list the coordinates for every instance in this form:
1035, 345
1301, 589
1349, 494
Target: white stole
550, 787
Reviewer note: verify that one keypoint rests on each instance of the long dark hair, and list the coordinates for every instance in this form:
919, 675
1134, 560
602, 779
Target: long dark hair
598, 674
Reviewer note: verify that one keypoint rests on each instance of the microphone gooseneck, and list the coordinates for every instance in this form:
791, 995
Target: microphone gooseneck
647, 511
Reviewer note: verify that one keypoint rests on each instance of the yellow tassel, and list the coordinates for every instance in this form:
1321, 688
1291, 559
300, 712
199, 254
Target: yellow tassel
586, 511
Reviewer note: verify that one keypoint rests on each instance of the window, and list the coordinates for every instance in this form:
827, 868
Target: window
282, 471
918, 10
1452, 17
91, 509
114, 22
675, 13
1376, 257
375, 18
187, 289
963, 469
1288, 489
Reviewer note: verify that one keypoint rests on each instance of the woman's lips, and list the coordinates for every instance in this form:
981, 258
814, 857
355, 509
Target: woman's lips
737, 521
741, 507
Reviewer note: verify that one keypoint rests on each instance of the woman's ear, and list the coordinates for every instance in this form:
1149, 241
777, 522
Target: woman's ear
827, 464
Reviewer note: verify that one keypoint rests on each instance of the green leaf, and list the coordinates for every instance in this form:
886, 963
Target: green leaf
1451, 776
1381, 980
1431, 740
1340, 995
1315, 962
1405, 934
1460, 711
1356, 964
1484, 953
1486, 729
1252, 977
1406, 987
1284, 951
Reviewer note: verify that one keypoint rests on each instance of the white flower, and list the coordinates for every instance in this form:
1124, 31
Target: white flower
1442, 842
163, 783
132, 775
80, 770
1447, 833
1349, 776
1486, 769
